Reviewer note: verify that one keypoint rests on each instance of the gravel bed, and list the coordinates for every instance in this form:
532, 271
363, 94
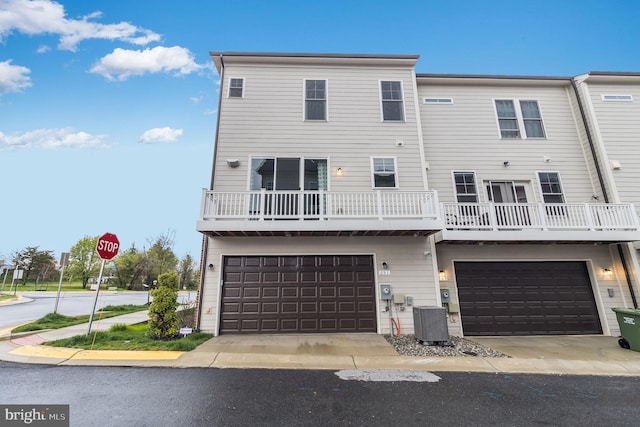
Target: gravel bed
407, 345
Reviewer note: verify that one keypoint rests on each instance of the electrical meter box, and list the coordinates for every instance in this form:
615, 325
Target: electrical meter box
385, 292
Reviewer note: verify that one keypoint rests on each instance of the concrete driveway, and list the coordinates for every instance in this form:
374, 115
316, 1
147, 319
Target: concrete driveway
302, 344
569, 347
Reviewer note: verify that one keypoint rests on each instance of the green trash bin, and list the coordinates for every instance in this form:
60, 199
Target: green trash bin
629, 322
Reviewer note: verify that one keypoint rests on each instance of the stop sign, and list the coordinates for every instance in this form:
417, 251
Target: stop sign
108, 246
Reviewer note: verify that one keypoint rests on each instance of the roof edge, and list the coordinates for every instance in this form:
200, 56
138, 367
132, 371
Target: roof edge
491, 76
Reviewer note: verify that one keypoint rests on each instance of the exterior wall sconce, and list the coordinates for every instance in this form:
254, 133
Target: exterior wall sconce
442, 276
505, 164
607, 273
211, 267
339, 172
233, 163
385, 265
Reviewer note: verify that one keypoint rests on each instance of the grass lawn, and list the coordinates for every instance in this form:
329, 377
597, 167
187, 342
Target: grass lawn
6, 297
122, 337
57, 321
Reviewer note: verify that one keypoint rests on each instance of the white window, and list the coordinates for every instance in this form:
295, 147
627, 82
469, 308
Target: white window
315, 100
384, 172
392, 104
514, 115
236, 88
465, 186
617, 98
551, 187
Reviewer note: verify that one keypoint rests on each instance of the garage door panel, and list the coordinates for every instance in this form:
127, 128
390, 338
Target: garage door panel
309, 292
289, 307
308, 276
288, 325
251, 277
290, 292
269, 307
308, 307
526, 298
327, 292
275, 294
328, 307
272, 292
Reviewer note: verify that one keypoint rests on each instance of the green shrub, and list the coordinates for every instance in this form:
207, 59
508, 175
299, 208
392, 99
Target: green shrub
118, 327
163, 319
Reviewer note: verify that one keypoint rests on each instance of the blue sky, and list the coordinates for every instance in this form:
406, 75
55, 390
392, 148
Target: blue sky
108, 108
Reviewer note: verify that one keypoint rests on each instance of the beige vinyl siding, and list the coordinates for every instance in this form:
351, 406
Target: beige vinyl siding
411, 272
581, 128
619, 132
269, 121
596, 256
465, 137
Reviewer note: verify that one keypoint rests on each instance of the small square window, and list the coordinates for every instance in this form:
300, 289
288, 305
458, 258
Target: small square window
465, 184
550, 186
384, 172
514, 115
236, 87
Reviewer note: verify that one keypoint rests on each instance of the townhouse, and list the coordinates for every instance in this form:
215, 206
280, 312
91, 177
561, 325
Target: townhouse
347, 190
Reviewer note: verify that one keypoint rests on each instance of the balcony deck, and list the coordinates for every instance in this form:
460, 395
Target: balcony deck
323, 213
539, 222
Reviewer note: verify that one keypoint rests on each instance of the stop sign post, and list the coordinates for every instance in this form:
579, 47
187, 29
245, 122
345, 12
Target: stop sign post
107, 248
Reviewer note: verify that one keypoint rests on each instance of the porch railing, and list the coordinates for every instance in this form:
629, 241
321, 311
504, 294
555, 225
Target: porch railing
319, 205
541, 216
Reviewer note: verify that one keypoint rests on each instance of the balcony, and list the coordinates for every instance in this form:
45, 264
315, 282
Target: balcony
319, 213
540, 222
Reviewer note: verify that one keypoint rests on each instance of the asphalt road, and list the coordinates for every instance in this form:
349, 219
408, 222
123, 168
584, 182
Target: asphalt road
71, 304
107, 396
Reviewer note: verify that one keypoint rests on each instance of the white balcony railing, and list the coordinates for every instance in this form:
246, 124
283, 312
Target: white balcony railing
547, 216
319, 205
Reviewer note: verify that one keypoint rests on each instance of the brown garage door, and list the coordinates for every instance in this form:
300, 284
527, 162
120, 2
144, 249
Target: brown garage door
526, 298
303, 294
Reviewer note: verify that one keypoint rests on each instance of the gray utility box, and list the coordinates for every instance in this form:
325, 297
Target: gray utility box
430, 325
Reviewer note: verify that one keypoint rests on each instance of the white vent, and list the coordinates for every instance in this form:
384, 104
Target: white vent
437, 101
619, 98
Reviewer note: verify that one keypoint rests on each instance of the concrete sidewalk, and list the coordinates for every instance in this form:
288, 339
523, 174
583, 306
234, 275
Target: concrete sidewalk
573, 355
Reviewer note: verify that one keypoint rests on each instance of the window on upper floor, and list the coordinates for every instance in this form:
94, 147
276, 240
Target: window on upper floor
236, 88
551, 187
465, 186
514, 116
384, 172
392, 104
315, 100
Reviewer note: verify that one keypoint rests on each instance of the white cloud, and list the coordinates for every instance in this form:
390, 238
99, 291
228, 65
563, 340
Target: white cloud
121, 63
196, 99
165, 134
43, 49
13, 78
51, 138
48, 17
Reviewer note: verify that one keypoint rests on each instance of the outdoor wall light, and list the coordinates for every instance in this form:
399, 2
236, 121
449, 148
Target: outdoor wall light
505, 164
385, 265
233, 163
211, 267
607, 273
339, 172
442, 275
